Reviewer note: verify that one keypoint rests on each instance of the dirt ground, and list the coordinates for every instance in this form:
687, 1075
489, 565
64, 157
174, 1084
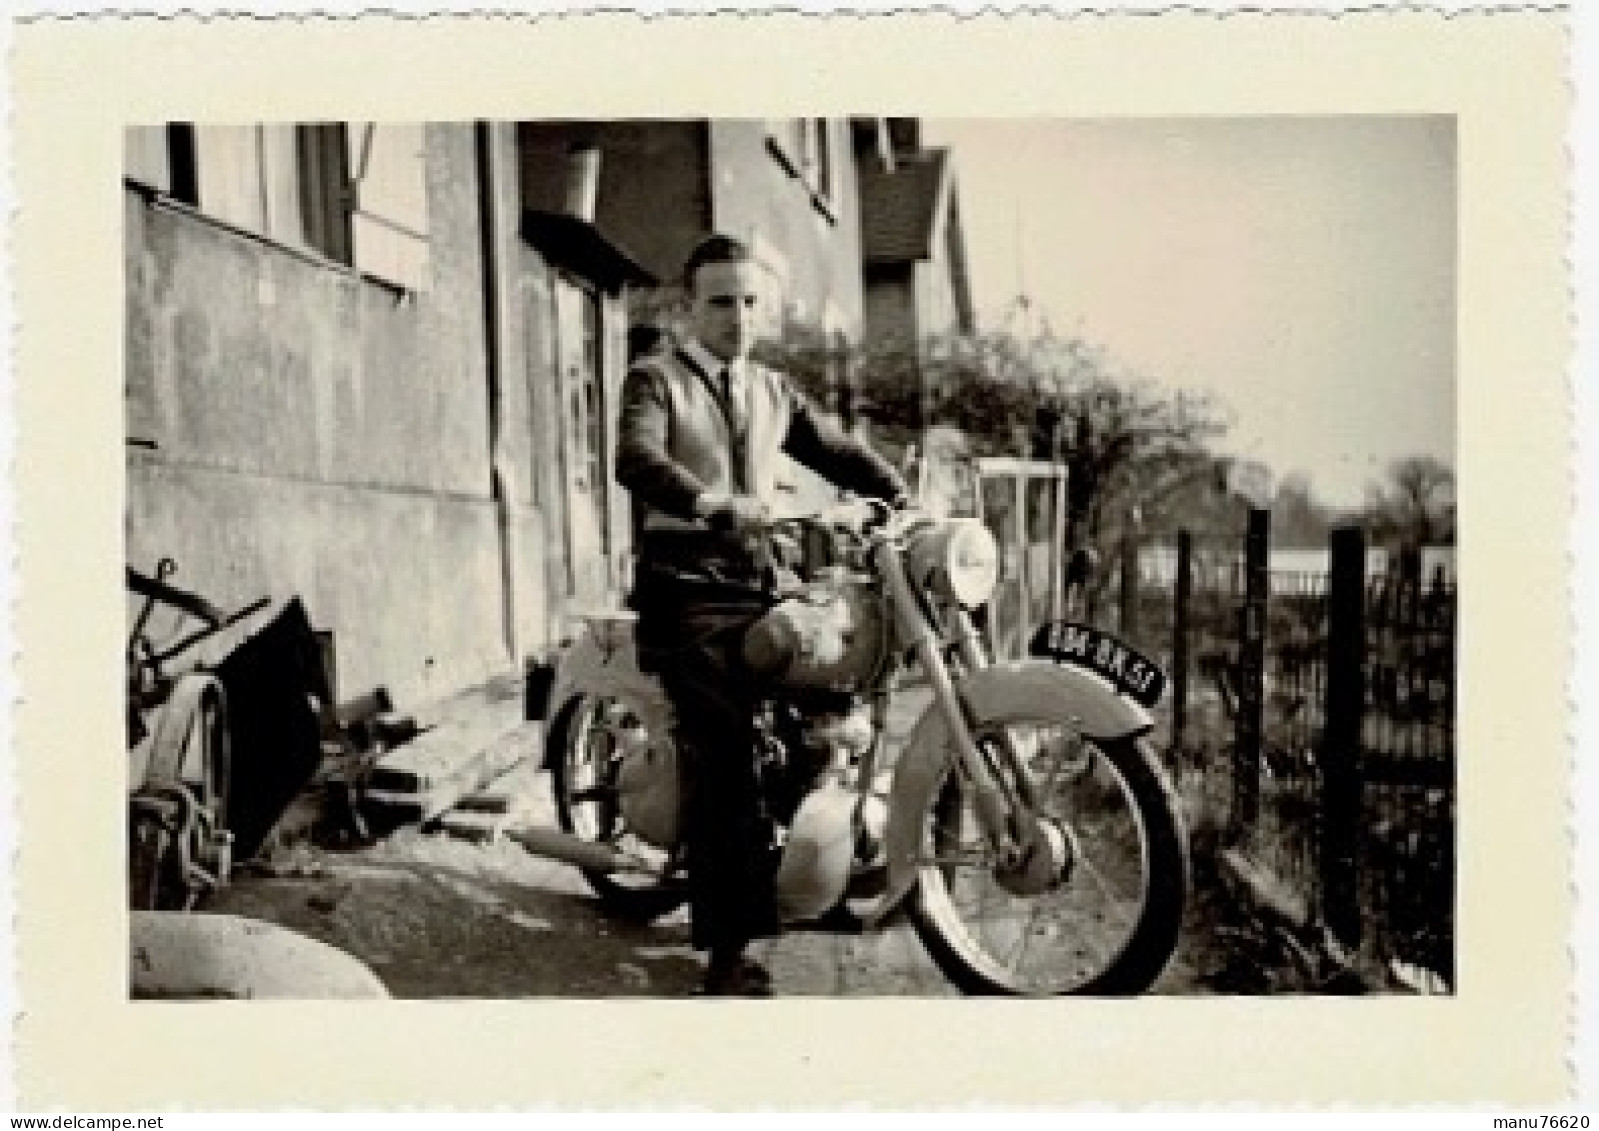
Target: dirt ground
440, 917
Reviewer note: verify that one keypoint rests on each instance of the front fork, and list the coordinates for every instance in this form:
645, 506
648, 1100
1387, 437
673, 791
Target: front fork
999, 798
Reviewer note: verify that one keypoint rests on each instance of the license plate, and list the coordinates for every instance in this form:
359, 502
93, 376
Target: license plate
1085, 646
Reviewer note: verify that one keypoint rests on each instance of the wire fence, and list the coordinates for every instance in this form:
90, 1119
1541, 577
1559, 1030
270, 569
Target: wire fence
1312, 727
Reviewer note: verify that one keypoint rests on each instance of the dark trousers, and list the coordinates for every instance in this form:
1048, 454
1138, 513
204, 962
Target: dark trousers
690, 634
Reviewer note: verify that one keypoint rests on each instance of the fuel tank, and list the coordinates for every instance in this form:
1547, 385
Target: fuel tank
833, 635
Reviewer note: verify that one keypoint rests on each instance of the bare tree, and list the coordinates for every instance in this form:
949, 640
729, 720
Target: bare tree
1416, 506
1297, 517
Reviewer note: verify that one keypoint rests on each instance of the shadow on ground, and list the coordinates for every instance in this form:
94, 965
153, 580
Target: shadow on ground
437, 918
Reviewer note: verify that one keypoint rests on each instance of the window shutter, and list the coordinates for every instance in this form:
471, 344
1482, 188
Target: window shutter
280, 185
230, 175
388, 212
146, 158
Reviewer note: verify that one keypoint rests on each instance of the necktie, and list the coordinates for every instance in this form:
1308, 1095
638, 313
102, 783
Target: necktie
734, 403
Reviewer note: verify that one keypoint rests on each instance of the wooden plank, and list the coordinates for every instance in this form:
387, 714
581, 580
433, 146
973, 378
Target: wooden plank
472, 825
453, 729
465, 773
485, 801
1268, 894
1005, 466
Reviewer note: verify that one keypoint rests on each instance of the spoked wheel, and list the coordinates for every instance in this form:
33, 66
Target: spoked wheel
1096, 905
594, 738
179, 845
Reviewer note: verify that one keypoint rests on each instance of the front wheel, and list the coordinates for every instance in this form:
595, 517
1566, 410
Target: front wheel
1105, 921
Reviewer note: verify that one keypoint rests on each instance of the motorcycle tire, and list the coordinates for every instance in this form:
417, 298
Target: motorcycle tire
572, 741
1129, 764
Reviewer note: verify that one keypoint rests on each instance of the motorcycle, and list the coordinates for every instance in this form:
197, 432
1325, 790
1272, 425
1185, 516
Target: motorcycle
1026, 822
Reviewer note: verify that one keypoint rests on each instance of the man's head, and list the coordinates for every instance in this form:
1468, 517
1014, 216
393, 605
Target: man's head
724, 282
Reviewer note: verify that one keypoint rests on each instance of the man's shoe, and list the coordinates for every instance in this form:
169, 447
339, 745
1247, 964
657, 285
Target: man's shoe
744, 978
836, 920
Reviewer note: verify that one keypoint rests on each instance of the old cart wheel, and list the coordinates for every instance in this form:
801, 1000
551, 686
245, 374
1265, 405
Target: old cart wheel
1106, 921
591, 740
178, 841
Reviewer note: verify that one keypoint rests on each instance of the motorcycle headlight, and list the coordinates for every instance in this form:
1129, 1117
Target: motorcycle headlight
971, 562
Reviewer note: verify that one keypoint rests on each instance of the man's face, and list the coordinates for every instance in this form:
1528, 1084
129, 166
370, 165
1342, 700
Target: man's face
725, 308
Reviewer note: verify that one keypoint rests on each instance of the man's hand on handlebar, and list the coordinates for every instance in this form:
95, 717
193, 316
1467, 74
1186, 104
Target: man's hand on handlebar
748, 516
737, 514
860, 514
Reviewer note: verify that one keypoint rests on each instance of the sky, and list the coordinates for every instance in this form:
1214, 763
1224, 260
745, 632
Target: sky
1302, 269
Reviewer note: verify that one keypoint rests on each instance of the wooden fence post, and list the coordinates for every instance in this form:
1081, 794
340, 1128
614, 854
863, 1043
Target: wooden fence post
1341, 737
1127, 614
1251, 671
1179, 640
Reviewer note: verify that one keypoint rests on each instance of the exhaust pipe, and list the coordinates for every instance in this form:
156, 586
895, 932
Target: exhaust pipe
570, 848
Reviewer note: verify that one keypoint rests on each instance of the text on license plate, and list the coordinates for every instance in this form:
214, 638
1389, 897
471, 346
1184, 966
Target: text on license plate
1088, 647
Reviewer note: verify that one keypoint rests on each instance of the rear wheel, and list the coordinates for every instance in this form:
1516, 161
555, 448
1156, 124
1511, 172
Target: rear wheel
592, 739
1104, 919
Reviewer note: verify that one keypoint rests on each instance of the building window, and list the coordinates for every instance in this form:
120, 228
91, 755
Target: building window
388, 201
586, 424
354, 192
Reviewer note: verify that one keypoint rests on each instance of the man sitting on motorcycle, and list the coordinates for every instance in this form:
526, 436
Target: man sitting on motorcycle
701, 429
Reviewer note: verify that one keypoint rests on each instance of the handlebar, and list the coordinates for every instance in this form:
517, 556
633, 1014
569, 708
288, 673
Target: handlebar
858, 516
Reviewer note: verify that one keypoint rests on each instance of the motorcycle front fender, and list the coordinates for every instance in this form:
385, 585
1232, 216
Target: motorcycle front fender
1009, 690
588, 667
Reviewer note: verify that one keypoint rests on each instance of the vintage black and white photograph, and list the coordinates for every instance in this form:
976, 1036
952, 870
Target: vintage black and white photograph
1027, 557
805, 557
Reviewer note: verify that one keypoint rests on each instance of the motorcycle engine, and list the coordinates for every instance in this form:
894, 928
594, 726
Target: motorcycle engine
808, 741
842, 734
832, 635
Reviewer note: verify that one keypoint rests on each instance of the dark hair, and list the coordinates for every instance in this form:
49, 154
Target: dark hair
715, 249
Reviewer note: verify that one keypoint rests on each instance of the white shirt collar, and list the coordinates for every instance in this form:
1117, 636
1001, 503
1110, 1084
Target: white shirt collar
707, 360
